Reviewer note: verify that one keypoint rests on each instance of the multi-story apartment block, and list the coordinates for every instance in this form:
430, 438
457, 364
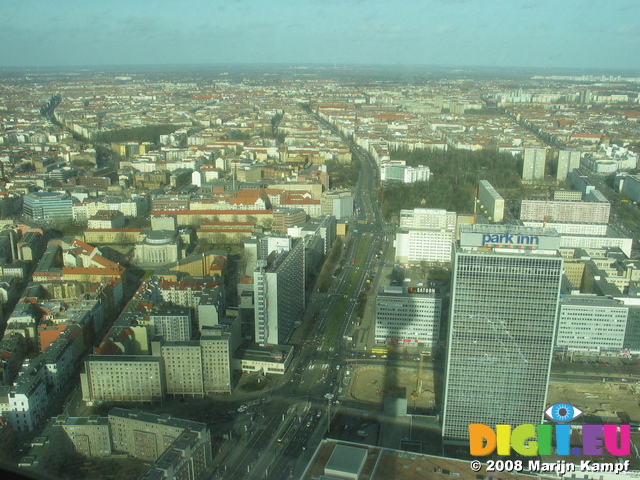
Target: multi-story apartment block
279, 295
629, 185
324, 227
587, 229
182, 366
132, 208
171, 323
397, 170
565, 211
147, 436
568, 160
91, 436
433, 218
218, 344
284, 218
491, 200
106, 219
177, 448
534, 163
185, 293
123, 378
210, 307
407, 316
336, 203
28, 398
425, 234
591, 241
572, 195
423, 245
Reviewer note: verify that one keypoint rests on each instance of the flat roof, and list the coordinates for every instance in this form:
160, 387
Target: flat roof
346, 459
383, 464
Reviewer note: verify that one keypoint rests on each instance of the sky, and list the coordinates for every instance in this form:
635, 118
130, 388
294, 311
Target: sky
552, 34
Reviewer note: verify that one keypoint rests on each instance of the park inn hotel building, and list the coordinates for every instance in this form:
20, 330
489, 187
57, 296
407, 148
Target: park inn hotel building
505, 295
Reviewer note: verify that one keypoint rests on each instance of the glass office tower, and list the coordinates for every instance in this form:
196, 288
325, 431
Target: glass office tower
505, 294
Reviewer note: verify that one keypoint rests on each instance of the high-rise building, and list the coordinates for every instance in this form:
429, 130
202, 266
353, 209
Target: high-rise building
425, 234
534, 163
279, 295
171, 323
434, 218
505, 294
123, 378
491, 200
568, 160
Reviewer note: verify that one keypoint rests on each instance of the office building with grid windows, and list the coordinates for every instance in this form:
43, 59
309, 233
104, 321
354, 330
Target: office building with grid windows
408, 316
505, 295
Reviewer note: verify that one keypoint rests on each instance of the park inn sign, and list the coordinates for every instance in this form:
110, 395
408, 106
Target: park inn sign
510, 240
509, 237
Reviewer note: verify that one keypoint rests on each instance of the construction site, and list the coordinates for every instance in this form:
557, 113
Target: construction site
373, 383
609, 401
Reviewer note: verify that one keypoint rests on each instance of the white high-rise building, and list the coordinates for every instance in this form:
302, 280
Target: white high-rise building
425, 234
534, 163
423, 245
491, 200
279, 295
504, 303
568, 160
435, 218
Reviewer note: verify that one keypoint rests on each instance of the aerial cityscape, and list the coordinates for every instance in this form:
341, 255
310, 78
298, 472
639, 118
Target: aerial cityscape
234, 273
338, 240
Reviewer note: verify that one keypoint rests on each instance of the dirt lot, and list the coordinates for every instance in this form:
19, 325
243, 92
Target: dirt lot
596, 398
372, 384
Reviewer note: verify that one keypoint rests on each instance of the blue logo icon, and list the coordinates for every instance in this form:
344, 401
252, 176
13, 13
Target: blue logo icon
562, 412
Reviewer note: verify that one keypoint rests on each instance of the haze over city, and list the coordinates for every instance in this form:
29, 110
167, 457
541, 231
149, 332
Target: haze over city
493, 33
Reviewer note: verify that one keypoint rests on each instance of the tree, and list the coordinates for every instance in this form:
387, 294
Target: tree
7, 444
456, 174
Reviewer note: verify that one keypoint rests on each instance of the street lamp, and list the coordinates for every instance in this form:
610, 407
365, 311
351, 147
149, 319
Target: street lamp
329, 397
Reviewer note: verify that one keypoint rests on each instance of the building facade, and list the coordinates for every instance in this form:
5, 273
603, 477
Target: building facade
565, 211
505, 294
407, 317
534, 163
423, 245
491, 200
123, 378
591, 324
44, 206
568, 160
279, 295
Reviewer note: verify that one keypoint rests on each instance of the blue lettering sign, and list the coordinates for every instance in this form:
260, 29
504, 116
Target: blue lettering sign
509, 239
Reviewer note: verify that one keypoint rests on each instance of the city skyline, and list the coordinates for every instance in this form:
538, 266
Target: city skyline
452, 33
